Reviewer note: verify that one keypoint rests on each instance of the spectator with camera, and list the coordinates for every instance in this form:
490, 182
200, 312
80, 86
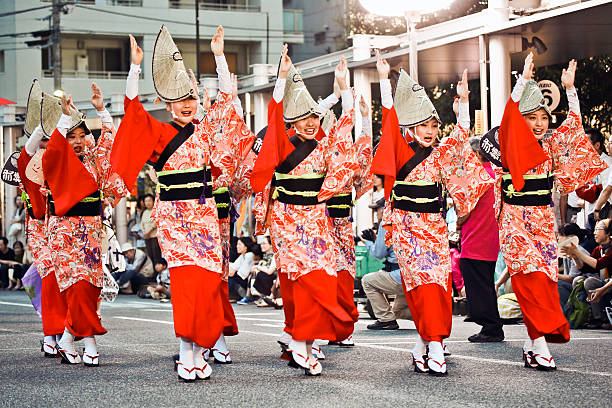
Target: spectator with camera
138, 270
386, 282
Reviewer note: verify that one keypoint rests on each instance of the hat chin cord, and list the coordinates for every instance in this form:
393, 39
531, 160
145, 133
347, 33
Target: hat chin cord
176, 117
418, 139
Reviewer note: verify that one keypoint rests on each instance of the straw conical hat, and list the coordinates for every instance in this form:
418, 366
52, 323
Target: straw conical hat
532, 99
297, 101
51, 111
411, 102
33, 108
170, 78
34, 171
329, 120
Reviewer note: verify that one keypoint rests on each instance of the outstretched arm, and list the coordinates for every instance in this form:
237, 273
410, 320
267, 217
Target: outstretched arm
383, 68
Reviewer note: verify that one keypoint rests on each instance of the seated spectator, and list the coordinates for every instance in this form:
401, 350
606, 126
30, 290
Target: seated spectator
572, 273
600, 297
388, 281
7, 261
599, 261
160, 289
16, 231
23, 259
138, 270
240, 269
149, 228
264, 273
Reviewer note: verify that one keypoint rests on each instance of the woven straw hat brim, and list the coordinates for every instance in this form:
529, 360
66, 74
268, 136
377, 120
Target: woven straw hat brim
297, 101
33, 108
51, 112
170, 78
532, 99
34, 171
411, 102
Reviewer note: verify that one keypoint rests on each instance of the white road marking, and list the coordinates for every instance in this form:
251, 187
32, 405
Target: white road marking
411, 340
269, 325
142, 320
17, 304
486, 360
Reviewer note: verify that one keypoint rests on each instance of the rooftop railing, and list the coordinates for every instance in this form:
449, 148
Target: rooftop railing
237, 6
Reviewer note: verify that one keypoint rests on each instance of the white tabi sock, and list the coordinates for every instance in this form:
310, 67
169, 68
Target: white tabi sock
67, 342
528, 345
420, 348
198, 356
541, 347
50, 340
91, 348
58, 337
220, 350
285, 337
186, 353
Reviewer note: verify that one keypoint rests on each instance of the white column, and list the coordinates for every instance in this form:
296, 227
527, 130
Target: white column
484, 83
120, 215
261, 98
363, 78
498, 12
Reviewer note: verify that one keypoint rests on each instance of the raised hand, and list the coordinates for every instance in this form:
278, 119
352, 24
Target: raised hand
528, 67
568, 75
462, 87
340, 74
96, 97
135, 51
66, 102
382, 66
363, 107
234, 79
456, 106
285, 63
216, 44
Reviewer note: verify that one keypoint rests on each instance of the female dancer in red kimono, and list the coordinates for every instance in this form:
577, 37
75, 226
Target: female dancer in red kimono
75, 224
308, 169
185, 157
415, 173
341, 223
526, 222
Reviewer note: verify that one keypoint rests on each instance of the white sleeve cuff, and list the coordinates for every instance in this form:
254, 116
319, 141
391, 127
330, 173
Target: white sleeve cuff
131, 87
225, 81
464, 115
572, 100
279, 90
63, 124
33, 142
238, 107
519, 87
366, 126
385, 93
327, 103
347, 100
105, 117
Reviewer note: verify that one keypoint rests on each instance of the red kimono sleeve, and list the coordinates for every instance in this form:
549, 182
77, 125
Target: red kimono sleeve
140, 137
393, 151
276, 147
35, 196
67, 178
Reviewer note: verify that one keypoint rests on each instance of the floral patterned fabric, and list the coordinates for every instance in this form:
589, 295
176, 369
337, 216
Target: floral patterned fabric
37, 239
75, 242
189, 232
301, 234
420, 240
527, 234
342, 228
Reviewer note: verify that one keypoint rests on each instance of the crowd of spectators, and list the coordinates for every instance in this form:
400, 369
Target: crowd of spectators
14, 263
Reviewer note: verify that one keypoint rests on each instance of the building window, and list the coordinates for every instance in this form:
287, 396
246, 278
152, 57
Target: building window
104, 59
1, 60
319, 38
209, 67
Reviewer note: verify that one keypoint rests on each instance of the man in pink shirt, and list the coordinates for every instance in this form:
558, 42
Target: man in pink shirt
479, 250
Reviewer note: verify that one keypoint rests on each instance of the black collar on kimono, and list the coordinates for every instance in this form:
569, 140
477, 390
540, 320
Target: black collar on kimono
302, 149
420, 153
177, 141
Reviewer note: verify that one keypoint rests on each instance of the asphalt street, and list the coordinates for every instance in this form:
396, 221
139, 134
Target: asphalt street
136, 368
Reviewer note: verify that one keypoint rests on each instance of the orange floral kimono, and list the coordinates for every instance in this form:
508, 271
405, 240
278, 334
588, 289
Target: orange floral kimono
75, 242
527, 234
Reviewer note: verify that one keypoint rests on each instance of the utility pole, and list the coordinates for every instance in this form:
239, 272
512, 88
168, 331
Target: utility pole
197, 22
55, 41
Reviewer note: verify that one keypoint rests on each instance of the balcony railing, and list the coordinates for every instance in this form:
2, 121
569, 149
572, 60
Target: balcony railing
125, 3
67, 73
237, 6
293, 21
